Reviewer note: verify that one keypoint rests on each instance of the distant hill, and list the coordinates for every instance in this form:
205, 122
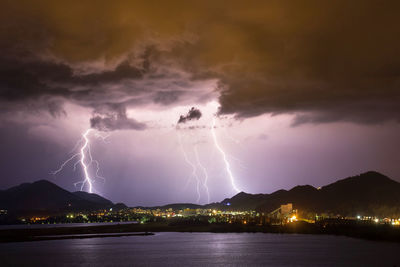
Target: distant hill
93, 198
368, 193
44, 197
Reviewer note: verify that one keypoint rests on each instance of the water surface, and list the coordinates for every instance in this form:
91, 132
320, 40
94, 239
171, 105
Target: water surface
57, 225
204, 249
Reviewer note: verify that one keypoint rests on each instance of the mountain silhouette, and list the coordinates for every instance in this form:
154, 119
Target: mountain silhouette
93, 198
44, 197
368, 193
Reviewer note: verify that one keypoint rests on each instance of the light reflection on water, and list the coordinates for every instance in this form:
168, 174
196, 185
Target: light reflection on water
201, 249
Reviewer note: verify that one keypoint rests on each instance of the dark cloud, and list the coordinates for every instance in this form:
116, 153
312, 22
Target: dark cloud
323, 61
113, 117
168, 97
193, 114
20, 80
115, 123
343, 68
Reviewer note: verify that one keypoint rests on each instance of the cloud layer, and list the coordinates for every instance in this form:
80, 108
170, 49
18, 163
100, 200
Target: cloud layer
324, 61
113, 117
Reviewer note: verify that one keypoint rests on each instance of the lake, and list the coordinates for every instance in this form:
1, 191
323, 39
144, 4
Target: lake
204, 249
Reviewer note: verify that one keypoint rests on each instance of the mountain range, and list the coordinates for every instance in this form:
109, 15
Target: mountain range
370, 193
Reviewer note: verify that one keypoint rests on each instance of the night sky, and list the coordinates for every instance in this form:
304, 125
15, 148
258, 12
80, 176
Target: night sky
295, 92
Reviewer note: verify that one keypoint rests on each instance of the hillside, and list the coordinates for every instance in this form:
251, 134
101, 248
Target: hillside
43, 197
368, 193
93, 198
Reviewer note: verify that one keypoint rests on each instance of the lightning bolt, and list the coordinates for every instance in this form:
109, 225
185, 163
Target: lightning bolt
87, 179
65, 163
85, 160
224, 157
193, 166
205, 173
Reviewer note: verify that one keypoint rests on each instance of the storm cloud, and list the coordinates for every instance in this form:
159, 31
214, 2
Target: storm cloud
193, 114
113, 117
324, 62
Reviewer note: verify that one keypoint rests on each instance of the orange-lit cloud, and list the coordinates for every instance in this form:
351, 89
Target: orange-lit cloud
325, 61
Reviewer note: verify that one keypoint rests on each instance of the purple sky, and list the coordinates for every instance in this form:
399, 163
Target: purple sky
305, 93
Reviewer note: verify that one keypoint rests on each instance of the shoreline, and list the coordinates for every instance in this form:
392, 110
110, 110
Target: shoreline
369, 232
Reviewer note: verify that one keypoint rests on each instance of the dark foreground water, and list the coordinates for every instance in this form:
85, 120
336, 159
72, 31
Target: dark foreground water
203, 249
57, 225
